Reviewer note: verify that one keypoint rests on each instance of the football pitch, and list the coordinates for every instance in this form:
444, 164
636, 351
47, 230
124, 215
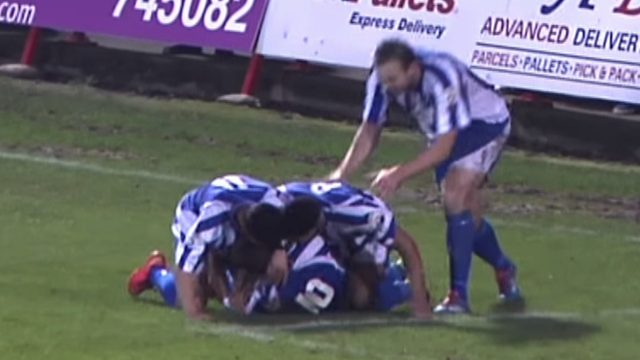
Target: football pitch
90, 181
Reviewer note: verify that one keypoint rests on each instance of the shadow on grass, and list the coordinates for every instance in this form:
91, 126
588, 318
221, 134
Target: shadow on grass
504, 325
522, 330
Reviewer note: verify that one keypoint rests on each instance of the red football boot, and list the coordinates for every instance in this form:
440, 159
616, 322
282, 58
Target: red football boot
140, 281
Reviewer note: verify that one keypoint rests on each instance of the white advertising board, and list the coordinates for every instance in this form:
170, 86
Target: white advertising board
346, 32
586, 48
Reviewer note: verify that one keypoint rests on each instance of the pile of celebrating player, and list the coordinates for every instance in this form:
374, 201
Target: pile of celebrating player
323, 246
310, 246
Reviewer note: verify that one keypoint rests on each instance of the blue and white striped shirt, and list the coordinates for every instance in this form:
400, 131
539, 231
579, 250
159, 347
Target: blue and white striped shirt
354, 216
448, 97
317, 283
203, 220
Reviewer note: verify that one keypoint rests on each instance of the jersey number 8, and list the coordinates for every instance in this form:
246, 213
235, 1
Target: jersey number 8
320, 188
230, 182
317, 296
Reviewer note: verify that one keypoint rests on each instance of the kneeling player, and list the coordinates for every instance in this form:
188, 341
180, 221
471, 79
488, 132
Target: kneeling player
209, 221
363, 230
317, 283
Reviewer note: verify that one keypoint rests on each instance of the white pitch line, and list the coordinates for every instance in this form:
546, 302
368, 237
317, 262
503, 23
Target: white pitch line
277, 333
76, 165
262, 334
142, 174
462, 319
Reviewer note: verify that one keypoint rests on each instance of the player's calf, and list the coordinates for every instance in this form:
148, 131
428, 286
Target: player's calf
487, 247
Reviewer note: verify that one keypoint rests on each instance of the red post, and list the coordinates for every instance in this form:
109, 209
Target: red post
31, 47
253, 75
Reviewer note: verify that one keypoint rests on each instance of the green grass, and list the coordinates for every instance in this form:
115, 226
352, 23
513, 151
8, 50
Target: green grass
72, 228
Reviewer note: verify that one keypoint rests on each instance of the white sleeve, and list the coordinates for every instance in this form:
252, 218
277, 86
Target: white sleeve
207, 233
376, 102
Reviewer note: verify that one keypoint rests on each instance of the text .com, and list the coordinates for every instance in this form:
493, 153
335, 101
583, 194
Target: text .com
13, 13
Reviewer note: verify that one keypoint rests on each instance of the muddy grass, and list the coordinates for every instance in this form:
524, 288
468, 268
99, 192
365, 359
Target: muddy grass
528, 200
503, 199
246, 149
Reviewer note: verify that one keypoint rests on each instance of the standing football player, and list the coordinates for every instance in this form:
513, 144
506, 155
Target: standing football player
467, 124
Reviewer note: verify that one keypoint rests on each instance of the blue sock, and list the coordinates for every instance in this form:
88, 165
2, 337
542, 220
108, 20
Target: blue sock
392, 293
460, 239
397, 272
486, 246
165, 282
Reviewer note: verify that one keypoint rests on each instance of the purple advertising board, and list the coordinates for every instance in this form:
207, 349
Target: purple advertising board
221, 24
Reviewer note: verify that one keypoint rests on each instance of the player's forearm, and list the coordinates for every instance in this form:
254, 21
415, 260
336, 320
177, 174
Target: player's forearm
363, 144
410, 254
432, 157
416, 275
191, 294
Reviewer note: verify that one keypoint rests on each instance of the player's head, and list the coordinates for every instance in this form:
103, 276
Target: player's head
250, 256
261, 223
397, 65
303, 218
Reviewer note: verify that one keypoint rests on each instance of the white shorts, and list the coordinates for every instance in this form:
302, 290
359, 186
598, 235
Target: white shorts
482, 160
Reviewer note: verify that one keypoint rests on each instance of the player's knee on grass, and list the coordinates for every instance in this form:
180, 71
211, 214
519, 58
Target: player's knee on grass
360, 296
363, 280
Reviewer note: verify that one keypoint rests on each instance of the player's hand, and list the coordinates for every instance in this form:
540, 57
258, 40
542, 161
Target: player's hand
278, 269
421, 310
201, 316
235, 303
386, 182
421, 306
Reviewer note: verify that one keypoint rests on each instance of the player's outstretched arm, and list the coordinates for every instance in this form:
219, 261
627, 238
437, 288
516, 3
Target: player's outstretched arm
410, 253
191, 295
374, 115
363, 143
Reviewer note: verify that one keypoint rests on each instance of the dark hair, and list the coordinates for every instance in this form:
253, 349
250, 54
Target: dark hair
394, 50
264, 224
250, 256
301, 216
